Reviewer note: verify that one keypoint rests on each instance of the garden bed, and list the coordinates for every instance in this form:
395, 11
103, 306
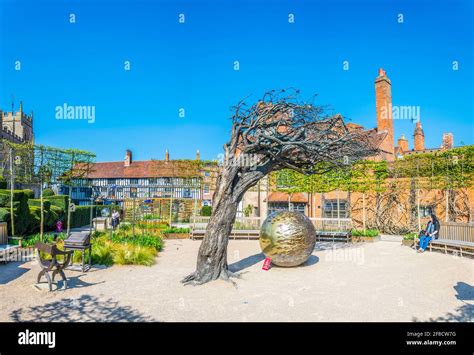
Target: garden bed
367, 235
176, 236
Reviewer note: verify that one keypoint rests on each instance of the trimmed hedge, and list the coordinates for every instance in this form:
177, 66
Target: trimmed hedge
29, 193
20, 208
82, 216
59, 200
37, 203
48, 193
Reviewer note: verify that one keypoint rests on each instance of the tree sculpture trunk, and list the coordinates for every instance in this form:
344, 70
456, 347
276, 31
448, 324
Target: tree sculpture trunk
212, 256
277, 132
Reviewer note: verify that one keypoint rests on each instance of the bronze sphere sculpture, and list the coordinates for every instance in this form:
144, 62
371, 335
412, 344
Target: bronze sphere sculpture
288, 238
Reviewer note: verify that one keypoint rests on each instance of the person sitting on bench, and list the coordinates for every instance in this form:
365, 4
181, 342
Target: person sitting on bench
431, 231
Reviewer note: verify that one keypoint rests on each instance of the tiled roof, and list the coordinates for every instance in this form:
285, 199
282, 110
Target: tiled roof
145, 169
283, 197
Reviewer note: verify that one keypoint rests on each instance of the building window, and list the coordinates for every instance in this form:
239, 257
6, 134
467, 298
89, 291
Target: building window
111, 181
207, 173
330, 209
206, 188
426, 211
285, 206
187, 193
133, 181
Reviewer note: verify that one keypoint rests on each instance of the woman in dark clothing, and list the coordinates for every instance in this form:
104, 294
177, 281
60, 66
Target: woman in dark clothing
431, 232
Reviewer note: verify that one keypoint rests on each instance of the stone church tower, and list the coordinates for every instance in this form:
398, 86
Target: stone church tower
383, 107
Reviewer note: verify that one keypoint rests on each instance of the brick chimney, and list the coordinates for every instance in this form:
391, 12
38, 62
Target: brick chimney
128, 158
198, 155
383, 107
448, 141
403, 144
419, 137
167, 155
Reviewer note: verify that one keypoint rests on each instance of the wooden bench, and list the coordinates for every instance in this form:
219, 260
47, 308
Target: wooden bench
454, 238
52, 265
235, 234
454, 246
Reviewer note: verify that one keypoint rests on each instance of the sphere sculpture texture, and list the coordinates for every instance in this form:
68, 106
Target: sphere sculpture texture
288, 238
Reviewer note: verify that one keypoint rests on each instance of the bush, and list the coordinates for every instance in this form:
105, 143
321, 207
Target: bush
410, 236
134, 255
146, 240
175, 230
48, 193
206, 211
82, 216
20, 208
5, 215
371, 233
29, 193
60, 201
3, 183
37, 203
106, 252
31, 240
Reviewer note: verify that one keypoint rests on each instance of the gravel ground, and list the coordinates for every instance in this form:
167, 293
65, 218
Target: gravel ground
380, 281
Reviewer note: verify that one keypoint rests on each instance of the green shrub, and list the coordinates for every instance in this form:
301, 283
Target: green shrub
30, 240
145, 240
82, 216
60, 201
410, 236
48, 193
29, 193
371, 233
175, 230
34, 219
37, 203
3, 183
5, 215
20, 208
206, 211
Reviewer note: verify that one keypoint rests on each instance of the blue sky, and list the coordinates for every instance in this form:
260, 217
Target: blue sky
191, 66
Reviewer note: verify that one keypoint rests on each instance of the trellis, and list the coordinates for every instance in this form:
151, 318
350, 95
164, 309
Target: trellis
450, 171
27, 163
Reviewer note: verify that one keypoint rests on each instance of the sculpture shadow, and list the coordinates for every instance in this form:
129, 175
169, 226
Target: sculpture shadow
11, 271
246, 262
86, 308
465, 292
312, 260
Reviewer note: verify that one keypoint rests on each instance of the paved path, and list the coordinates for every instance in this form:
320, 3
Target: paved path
381, 281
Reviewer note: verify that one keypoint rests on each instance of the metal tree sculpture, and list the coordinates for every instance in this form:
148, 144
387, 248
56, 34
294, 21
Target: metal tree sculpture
277, 132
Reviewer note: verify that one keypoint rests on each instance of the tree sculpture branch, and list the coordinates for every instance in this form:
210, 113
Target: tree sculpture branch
278, 131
